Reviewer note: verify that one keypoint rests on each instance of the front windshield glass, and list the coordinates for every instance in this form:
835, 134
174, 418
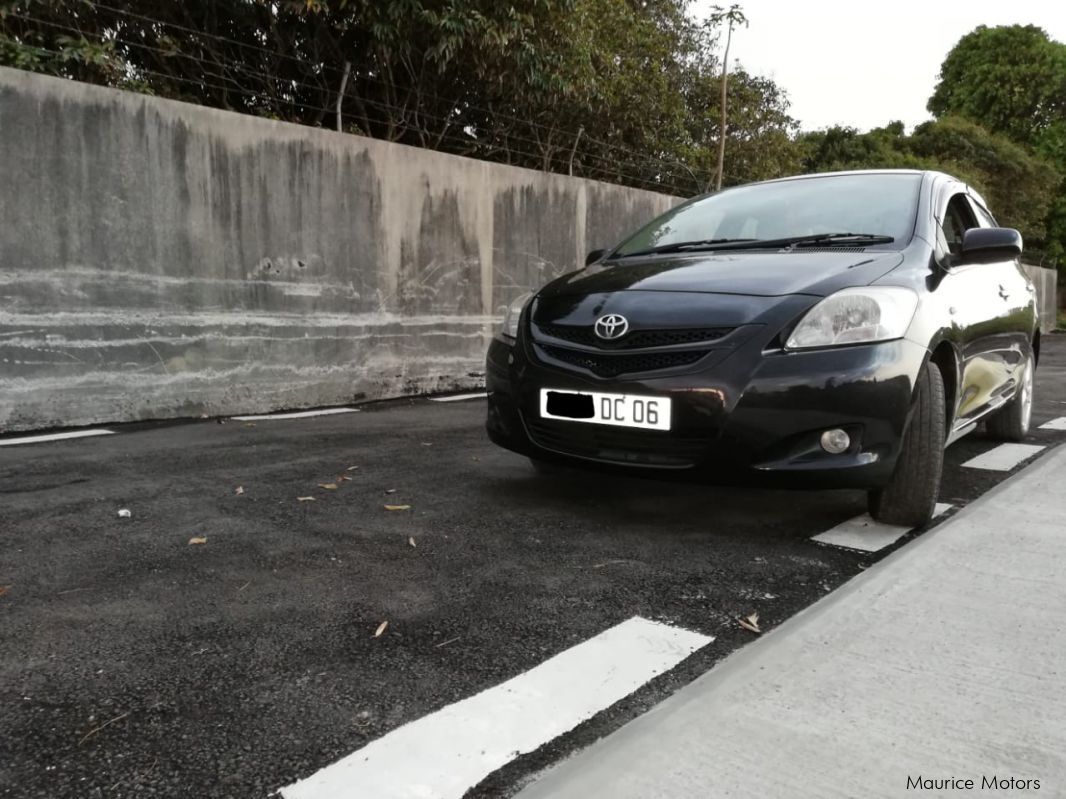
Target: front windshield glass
878, 204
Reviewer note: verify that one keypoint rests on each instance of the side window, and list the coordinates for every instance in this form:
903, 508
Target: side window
958, 218
987, 220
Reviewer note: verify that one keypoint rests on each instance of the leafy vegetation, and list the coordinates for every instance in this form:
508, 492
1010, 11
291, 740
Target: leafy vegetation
613, 89
1012, 80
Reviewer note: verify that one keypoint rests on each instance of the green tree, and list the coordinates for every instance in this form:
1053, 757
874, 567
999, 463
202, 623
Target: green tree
1012, 80
616, 90
1019, 185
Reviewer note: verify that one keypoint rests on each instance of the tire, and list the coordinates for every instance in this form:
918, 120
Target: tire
1011, 422
910, 498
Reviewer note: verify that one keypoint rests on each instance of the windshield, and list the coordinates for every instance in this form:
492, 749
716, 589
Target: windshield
875, 204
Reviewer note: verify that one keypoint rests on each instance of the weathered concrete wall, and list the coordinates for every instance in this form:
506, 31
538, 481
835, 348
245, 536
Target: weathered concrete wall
1046, 283
159, 259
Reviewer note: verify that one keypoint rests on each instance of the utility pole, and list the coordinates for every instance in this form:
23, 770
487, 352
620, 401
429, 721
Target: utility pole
722, 128
734, 16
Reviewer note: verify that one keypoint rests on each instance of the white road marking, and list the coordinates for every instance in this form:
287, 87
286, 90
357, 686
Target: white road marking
1004, 457
864, 534
444, 754
1055, 424
297, 415
7, 442
457, 397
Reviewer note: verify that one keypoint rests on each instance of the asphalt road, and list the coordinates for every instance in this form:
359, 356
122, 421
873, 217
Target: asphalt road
135, 663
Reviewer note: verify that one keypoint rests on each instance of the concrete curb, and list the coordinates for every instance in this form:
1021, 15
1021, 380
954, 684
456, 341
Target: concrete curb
647, 757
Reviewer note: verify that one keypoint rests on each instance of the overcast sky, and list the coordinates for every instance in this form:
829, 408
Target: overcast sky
863, 64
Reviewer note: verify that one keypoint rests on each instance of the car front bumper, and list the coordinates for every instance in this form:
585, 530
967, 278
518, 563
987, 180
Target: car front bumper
752, 417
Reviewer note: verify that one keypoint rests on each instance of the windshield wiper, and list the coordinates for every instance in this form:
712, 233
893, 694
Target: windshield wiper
684, 246
829, 239
810, 240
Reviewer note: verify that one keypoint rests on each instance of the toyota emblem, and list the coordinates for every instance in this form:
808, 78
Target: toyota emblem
612, 326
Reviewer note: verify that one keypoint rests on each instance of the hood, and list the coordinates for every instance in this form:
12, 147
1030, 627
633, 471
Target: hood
754, 274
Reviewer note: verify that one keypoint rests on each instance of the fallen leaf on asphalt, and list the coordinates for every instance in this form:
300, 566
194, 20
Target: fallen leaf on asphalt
411, 541
475, 458
390, 490
5, 588
305, 499
197, 539
123, 514
380, 629
343, 478
95, 730
239, 490
397, 507
351, 468
751, 623
328, 486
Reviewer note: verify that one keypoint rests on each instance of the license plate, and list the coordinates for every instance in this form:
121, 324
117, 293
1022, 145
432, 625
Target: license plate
623, 410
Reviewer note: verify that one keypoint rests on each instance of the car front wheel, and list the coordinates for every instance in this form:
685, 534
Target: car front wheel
1011, 423
910, 498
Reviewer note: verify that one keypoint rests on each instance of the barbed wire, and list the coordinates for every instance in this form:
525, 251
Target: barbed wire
639, 158
470, 144
665, 178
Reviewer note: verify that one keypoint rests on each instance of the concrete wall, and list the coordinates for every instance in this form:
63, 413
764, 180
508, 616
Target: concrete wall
1045, 281
159, 259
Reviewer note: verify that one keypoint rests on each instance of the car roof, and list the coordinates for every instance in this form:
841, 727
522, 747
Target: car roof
928, 175
851, 172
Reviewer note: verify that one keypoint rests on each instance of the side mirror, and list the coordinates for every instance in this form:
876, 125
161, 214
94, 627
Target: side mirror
594, 256
985, 245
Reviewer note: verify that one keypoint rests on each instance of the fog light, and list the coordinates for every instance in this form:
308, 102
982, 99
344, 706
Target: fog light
835, 441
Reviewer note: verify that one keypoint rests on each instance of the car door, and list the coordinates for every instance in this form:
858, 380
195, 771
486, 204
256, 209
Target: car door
1011, 343
976, 309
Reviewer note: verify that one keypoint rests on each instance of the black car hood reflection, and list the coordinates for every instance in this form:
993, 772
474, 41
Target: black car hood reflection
757, 274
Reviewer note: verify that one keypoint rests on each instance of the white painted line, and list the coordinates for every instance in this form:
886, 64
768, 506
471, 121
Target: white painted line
1004, 457
444, 754
1055, 424
8, 442
458, 397
866, 535
297, 415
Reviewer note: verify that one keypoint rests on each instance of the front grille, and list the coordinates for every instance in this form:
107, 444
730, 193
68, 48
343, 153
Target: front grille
605, 364
618, 445
638, 339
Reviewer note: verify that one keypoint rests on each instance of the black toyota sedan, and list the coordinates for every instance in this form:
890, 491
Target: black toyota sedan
834, 330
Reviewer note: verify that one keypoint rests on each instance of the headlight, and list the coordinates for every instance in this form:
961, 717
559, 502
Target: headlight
856, 316
513, 314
